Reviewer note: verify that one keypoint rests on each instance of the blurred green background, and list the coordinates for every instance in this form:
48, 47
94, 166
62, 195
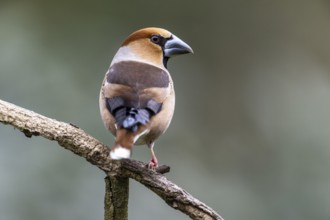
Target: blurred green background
251, 132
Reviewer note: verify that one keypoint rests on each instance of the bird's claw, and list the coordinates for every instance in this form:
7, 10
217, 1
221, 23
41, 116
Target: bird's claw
153, 164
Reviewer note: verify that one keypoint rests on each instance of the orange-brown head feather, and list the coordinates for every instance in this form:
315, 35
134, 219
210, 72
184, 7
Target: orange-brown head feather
146, 33
139, 42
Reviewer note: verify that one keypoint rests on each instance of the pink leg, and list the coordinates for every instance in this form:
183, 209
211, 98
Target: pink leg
153, 163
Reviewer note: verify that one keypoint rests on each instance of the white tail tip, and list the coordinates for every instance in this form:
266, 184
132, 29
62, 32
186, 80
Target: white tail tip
120, 153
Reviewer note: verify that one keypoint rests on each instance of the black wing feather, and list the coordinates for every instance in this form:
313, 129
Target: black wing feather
130, 117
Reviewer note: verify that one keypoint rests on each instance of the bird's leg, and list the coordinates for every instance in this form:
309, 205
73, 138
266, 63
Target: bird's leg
153, 163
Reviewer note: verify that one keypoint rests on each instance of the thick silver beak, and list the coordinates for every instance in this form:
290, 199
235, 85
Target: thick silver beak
176, 46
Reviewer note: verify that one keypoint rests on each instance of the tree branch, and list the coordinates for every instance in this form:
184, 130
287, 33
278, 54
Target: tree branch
79, 142
116, 198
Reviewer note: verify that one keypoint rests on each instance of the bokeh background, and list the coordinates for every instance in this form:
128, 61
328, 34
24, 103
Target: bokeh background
251, 132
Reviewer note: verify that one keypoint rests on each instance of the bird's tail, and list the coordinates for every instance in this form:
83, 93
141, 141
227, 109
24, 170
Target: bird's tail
119, 152
123, 145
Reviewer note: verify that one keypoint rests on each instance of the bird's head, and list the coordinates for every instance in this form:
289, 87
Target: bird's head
153, 45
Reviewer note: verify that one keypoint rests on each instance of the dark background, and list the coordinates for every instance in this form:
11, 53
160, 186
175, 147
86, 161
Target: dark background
251, 131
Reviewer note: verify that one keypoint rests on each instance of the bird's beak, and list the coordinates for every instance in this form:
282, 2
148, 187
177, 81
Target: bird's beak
176, 46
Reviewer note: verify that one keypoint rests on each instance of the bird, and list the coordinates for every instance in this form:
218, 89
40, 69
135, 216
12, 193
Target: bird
137, 95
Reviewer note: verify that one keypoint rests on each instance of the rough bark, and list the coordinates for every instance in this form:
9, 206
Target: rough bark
116, 198
79, 142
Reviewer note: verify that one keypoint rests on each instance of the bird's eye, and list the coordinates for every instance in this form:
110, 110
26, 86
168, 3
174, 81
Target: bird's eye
155, 39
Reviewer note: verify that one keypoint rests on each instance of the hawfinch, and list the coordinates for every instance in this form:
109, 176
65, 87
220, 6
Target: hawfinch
137, 95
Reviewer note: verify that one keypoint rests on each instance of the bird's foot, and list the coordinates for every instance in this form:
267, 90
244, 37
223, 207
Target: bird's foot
153, 164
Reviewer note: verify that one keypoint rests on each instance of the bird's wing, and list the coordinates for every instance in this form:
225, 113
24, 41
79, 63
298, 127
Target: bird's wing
134, 92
